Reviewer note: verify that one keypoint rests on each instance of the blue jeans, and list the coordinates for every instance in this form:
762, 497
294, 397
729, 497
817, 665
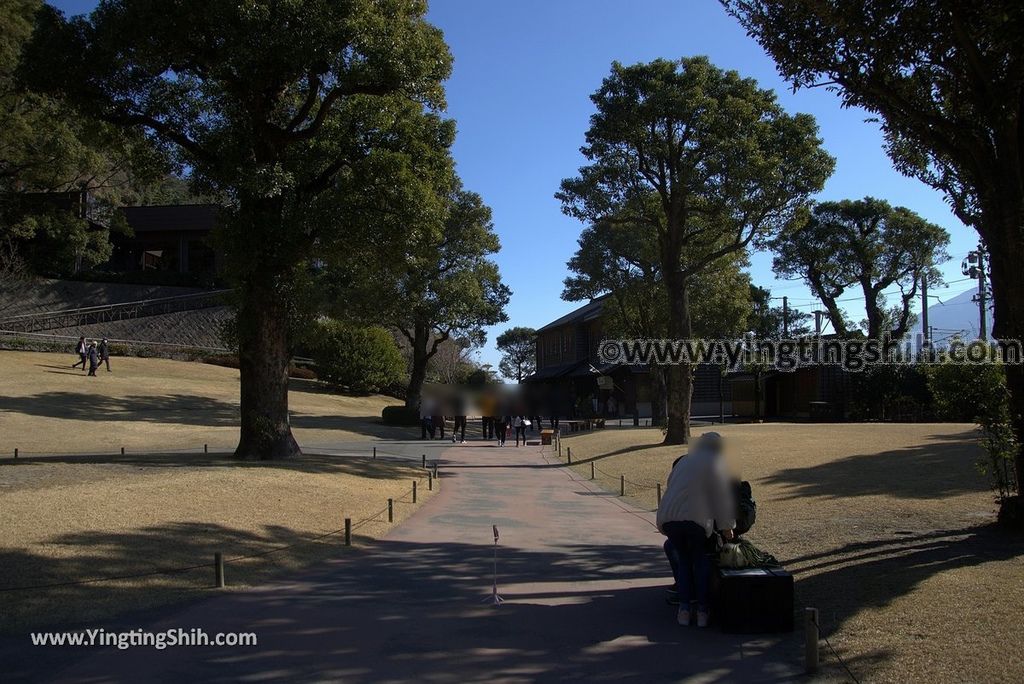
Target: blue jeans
686, 549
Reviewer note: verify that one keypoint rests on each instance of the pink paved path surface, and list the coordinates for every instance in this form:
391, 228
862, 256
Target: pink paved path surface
581, 572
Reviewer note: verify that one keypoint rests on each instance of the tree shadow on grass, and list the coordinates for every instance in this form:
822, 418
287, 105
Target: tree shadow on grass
863, 575
359, 465
942, 467
183, 409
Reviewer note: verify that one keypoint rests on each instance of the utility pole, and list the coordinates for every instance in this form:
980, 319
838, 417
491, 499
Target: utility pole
974, 267
785, 317
817, 322
982, 292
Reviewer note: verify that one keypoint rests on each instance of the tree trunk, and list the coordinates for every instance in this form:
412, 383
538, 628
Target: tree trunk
659, 394
264, 354
1006, 254
680, 377
420, 357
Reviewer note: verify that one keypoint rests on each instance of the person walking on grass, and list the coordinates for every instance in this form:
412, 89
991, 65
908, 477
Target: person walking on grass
103, 350
698, 498
94, 359
82, 349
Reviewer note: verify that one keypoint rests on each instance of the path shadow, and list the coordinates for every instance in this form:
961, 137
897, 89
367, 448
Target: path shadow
406, 611
942, 467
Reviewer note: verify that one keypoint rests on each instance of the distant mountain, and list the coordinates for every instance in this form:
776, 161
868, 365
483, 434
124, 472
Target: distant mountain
956, 315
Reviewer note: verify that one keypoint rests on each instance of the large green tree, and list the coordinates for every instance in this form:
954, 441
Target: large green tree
946, 79
705, 160
867, 244
622, 261
518, 347
437, 285
306, 115
47, 147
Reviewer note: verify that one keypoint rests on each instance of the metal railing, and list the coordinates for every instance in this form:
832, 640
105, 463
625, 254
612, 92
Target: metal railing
71, 318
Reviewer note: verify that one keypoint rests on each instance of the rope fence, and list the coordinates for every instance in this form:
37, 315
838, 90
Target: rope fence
385, 514
556, 452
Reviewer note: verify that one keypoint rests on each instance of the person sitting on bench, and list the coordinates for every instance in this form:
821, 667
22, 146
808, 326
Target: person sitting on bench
698, 498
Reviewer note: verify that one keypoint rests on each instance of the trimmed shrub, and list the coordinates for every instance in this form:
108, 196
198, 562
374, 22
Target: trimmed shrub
365, 360
402, 416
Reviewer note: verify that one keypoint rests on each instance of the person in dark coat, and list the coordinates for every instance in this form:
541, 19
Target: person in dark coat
82, 349
501, 425
104, 352
94, 359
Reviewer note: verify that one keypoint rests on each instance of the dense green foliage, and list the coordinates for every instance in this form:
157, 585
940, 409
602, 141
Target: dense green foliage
867, 244
705, 161
433, 287
946, 80
979, 393
364, 360
46, 146
518, 347
314, 120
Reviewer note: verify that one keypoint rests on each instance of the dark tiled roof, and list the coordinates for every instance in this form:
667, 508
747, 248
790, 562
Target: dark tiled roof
552, 372
172, 217
587, 312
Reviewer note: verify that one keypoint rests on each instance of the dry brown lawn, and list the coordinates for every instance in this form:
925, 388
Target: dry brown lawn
47, 407
887, 528
70, 518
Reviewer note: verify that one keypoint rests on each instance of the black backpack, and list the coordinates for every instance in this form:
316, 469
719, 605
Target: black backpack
746, 507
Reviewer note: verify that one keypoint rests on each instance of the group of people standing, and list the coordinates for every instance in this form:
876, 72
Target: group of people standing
93, 354
498, 428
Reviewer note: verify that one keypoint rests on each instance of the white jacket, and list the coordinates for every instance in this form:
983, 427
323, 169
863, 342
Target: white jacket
698, 490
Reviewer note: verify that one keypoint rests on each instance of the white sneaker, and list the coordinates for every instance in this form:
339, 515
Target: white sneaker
683, 617
702, 619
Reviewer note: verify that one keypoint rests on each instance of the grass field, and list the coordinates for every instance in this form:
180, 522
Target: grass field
47, 407
887, 528
72, 517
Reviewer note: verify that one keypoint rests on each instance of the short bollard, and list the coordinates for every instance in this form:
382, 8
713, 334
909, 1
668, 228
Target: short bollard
15, 452
659, 493
414, 491
811, 639
559, 449
348, 531
430, 481
391, 510
593, 471
375, 452
122, 451
218, 569
568, 454
622, 485
424, 460
206, 448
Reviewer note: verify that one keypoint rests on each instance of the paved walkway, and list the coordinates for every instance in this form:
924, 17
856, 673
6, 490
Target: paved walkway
581, 573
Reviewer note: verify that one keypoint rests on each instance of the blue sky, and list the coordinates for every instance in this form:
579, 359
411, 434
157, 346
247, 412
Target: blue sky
524, 71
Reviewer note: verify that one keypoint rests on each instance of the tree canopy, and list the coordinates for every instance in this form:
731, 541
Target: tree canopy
433, 286
518, 347
867, 244
946, 80
46, 146
313, 119
706, 161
